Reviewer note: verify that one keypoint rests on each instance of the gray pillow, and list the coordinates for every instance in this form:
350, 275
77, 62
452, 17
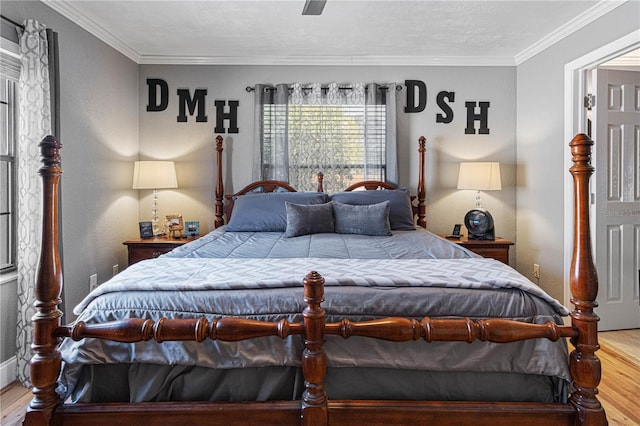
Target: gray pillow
265, 212
370, 219
400, 213
308, 219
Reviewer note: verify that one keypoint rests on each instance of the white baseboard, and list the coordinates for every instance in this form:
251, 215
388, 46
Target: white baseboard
8, 371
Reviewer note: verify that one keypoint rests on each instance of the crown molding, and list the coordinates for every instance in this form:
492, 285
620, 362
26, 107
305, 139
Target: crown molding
580, 21
329, 60
66, 9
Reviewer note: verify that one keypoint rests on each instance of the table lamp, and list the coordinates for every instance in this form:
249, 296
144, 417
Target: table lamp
154, 175
479, 176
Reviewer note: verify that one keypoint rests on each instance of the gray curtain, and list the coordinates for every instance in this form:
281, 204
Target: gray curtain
386, 95
270, 112
38, 48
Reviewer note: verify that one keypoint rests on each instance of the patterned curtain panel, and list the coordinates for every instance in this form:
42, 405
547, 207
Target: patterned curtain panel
346, 132
34, 123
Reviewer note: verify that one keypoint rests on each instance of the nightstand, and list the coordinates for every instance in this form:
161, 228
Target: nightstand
497, 249
141, 249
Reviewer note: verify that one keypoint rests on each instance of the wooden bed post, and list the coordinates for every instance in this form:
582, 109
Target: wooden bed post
314, 359
219, 189
320, 182
584, 364
46, 362
422, 192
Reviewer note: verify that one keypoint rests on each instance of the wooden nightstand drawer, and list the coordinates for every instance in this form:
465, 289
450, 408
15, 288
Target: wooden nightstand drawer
148, 249
497, 249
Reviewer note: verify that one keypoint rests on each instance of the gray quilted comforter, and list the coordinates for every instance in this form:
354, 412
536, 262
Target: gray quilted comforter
259, 276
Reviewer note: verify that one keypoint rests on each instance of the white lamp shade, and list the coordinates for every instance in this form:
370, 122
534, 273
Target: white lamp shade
480, 176
154, 175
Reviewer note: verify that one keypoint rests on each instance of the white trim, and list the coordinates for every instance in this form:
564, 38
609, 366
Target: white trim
8, 277
574, 90
580, 21
464, 61
66, 9
8, 371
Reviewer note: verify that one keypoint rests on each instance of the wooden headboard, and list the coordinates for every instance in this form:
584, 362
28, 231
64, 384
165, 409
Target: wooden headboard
223, 209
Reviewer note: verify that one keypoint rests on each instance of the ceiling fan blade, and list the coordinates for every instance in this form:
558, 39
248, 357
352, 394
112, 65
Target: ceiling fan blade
313, 7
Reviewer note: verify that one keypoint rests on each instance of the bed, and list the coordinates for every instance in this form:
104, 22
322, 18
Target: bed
296, 310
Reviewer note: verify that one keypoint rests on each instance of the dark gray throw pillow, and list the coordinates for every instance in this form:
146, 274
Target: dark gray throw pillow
400, 213
370, 219
308, 219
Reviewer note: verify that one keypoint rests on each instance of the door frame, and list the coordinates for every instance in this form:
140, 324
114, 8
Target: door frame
575, 89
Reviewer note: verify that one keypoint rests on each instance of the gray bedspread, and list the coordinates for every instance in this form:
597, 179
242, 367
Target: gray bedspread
410, 274
418, 244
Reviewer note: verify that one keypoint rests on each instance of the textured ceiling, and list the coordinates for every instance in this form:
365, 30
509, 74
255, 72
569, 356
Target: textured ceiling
402, 32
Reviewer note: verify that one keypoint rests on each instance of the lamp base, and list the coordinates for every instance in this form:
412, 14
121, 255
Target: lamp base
154, 215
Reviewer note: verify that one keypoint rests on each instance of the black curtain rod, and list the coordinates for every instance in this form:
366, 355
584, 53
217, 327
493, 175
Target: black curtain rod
250, 89
11, 21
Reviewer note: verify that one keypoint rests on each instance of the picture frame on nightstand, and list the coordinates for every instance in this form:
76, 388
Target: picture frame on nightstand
146, 230
175, 225
192, 228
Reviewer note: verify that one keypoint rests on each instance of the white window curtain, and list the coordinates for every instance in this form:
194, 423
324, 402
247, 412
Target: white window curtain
35, 122
347, 133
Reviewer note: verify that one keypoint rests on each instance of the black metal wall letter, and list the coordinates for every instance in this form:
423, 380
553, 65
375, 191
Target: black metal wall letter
232, 116
184, 100
422, 96
154, 84
447, 117
482, 117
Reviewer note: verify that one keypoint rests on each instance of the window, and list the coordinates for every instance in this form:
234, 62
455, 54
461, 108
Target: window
334, 132
8, 140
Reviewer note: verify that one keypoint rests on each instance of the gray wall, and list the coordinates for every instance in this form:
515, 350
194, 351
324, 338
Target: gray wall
541, 145
191, 144
99, 135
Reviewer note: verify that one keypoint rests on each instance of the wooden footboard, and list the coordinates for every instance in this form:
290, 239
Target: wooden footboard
314, 408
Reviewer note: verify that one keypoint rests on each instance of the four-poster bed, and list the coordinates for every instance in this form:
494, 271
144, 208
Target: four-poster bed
332, 327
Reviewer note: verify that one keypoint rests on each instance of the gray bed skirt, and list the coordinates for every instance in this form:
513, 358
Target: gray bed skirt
150, 382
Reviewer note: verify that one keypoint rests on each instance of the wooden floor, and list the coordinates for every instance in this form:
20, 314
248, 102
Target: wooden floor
620, 385
619, 388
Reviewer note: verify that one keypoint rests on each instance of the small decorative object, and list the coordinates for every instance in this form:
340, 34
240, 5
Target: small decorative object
192, 229
483, 176
146, 230
175, 225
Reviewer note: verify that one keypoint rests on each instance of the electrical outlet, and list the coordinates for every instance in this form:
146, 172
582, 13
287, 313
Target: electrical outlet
115, 270
536, 271
93, 282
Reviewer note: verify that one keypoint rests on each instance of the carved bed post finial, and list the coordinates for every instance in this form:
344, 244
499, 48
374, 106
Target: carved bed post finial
320, 182
314, 359
219, 189
422, 191
584, 364
46, 361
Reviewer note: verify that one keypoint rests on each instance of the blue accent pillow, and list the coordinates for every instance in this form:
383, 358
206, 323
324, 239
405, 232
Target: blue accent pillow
369, 219
400, 213
266, 212
308, 219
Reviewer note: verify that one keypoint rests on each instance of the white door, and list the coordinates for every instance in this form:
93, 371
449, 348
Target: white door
617, 197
